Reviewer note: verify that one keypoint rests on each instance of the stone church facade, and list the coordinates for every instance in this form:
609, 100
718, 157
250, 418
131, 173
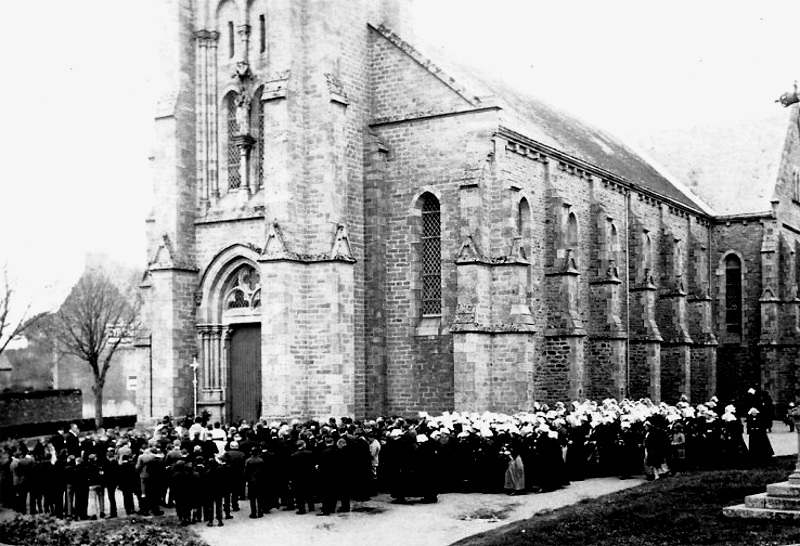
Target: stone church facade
344, 226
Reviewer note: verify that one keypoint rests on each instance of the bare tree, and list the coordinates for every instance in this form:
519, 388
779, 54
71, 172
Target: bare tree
12, 324
92, 323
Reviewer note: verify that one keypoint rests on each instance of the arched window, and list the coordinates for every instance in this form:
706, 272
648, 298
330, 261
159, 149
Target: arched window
524, 225
572, 231
431, 256
234, 176
733, 294
647, 254
615, 246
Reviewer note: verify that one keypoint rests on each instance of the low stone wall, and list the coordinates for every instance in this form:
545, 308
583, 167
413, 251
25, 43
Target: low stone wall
34, 407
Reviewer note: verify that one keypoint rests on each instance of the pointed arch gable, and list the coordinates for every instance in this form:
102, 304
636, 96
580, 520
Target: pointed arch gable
216, 274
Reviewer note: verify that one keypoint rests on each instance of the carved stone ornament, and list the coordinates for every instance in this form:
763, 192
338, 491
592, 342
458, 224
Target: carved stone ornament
336, 89
341, 245
275, 246
469, 251
242, 71
243, 112
162, 258
275, 86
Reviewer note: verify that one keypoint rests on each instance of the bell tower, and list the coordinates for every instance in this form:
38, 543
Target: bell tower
260, 143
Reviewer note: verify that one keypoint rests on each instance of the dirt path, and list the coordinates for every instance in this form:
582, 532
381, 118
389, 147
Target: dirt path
378, 522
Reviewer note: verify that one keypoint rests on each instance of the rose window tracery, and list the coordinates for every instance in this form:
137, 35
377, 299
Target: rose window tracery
244, 290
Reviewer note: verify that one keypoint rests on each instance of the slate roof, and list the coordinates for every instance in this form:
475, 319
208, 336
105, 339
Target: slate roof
544, 123
733, 167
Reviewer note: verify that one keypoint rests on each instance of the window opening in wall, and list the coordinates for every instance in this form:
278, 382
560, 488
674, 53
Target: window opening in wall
234, 177
796, 185
572, 231
523, 225
733, 294
231, 40
260, 145
262, 33
431, 257
647, 256
615, 246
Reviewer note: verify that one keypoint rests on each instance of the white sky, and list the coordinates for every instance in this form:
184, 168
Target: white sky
79, 94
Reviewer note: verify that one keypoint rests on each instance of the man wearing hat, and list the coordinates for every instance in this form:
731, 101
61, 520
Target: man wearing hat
328, 474
235, 458
255, 476
301, 474
279, 466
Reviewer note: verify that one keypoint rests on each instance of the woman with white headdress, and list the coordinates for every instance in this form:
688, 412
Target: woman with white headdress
760, 447
734, 447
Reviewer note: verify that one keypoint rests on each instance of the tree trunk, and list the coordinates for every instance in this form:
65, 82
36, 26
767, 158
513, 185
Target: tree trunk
98, 405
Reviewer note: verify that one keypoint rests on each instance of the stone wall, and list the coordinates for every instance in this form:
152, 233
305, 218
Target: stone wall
21, 408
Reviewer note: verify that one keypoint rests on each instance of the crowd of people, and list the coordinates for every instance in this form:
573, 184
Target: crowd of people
206, 471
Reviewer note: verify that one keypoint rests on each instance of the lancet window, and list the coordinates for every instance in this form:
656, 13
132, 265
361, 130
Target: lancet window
234, 157
733, 294
431, 256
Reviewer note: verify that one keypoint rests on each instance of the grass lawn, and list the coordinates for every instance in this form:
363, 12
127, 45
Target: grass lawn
135, 531
681, 510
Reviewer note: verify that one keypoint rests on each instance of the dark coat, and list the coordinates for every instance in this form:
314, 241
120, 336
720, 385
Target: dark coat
302, 469
329, 471
111, 473
182, 484
72, 444
657, 446
255, 469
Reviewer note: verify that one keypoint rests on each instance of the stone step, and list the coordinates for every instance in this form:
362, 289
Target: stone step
763, 500
756, 501
783, 489
742, 511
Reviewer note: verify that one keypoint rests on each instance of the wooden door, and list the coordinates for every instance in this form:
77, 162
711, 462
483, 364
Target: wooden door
244, 393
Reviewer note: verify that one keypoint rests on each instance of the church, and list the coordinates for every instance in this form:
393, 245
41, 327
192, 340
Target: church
346, 226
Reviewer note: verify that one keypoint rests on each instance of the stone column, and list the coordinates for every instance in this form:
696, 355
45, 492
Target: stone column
201, 109
245, 144
213, 116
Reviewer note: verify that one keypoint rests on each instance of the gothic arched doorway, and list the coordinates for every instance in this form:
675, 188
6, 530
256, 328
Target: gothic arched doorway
229, 336
242, 307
